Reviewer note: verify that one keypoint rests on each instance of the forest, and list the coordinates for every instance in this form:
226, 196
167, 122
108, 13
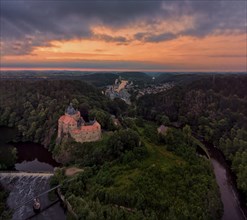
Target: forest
216, 109
133, 172
33, 107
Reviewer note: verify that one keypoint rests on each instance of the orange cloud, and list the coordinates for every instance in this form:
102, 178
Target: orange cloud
208, 53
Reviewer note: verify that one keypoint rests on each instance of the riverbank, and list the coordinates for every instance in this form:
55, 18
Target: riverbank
67, 204
233, 201
234, 205
5, 213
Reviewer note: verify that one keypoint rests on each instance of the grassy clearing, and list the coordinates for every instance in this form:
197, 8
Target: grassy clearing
158, 155
124, 175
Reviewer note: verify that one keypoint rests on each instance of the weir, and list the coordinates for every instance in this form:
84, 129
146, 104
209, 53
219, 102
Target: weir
24, 187
28, 174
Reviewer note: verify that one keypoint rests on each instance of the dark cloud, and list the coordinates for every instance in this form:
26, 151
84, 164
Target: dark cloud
109, 38
68, 19
150, 37
35, 23
218, 17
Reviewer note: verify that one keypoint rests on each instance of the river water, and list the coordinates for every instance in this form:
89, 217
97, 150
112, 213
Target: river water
32, 158
234, 207
23, 188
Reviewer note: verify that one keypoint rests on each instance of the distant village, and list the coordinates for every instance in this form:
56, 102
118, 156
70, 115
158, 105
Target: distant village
153, 89
122, 89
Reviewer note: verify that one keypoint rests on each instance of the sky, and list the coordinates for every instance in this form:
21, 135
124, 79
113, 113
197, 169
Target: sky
143, 35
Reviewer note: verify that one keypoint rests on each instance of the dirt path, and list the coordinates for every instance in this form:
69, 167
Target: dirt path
71, 171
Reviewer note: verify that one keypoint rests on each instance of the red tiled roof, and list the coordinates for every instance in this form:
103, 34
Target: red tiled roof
76, 131
92, 127
87, 128
67, 119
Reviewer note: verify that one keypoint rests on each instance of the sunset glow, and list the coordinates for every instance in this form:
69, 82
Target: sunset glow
157, 39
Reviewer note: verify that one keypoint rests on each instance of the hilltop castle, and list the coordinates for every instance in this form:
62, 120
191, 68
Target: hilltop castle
71, 123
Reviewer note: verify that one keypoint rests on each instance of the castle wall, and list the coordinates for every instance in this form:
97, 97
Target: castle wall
60, 128
65, 128
83, 136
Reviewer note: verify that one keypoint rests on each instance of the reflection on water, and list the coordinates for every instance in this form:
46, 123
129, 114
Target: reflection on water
34, 165
34, 157
30, 156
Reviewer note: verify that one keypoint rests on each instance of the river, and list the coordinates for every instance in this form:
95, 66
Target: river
32, 158
234, 207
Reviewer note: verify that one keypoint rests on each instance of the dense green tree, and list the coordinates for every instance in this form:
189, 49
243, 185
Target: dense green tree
33, 107
122, 141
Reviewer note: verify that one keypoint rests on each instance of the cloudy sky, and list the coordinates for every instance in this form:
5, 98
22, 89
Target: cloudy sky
145, 35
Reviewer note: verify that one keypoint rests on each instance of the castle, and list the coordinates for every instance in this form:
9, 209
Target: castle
71, 123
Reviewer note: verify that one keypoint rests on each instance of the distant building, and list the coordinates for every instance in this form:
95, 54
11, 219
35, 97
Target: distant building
115, 121
119, 90
71, 123
162, 129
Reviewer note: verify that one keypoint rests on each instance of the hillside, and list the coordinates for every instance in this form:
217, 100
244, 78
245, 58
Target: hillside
216, 109
136, 77
189, 78
151, 181
100, 79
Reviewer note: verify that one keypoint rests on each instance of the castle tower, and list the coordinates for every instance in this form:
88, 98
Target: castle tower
70, 111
